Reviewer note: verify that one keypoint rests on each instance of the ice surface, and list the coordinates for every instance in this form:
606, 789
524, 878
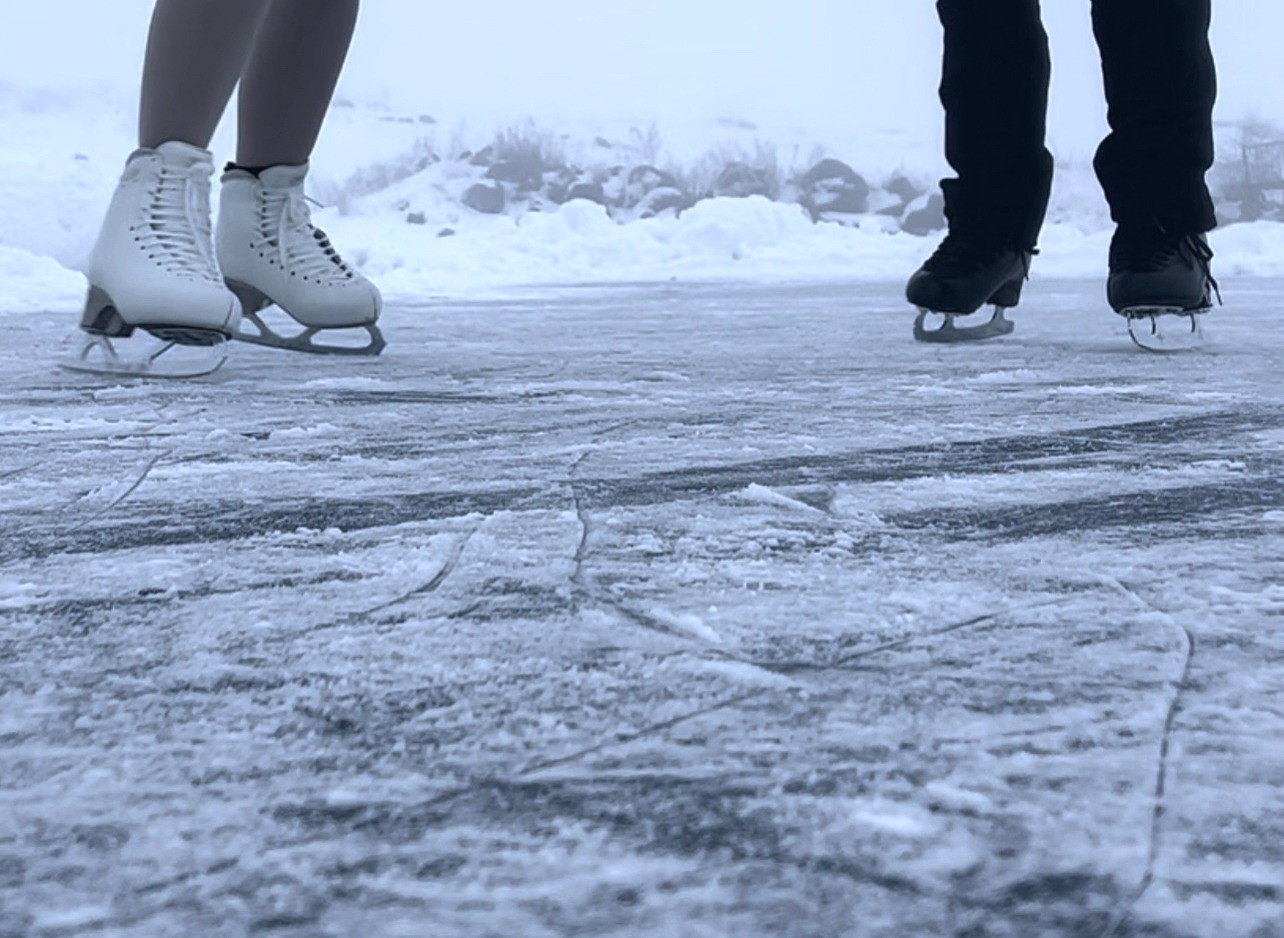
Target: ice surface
670, 610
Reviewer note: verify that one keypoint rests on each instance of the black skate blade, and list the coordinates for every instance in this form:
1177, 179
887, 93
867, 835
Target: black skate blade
102, 318
144, 354
268, 338
186, 335
1165, 329
948, 333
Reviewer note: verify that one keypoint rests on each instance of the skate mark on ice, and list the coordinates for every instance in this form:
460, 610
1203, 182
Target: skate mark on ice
23, 535
221, 521
791, 668
586, 523
182, 879
617, 425
1160, 804
434, 584
986, 455
433, 398
785, 669
158, 597
536, 498
624, 739
14, 473
134, 487
1145, 512
588, 590
208, 522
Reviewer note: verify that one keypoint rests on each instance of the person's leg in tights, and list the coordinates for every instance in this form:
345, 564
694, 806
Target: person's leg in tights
268, 249
994, 87
155, 264
286, 54
196, 52
1161, 85
288, 83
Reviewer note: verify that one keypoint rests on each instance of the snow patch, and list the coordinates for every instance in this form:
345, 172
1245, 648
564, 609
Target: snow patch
893, 817
30, 283
686, 623
763, 495
399, 217
300, 433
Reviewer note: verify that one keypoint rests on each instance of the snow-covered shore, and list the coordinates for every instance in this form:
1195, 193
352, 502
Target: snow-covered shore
395, 184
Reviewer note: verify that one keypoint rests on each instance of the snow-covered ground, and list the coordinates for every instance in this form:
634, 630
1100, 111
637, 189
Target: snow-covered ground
685, 610
400, 216
654, 582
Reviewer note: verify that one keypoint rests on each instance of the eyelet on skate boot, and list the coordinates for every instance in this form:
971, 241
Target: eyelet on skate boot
963, 275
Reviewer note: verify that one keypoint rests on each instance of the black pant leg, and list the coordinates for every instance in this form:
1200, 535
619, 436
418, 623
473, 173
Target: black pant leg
1161, 83
994, 87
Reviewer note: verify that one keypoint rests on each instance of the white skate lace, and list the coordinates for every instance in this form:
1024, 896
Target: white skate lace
178, 234
285, 225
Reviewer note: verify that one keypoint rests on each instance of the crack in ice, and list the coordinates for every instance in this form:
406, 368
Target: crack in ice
1159, 806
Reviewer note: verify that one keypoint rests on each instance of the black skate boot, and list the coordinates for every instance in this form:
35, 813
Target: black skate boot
1162, 284
963, 275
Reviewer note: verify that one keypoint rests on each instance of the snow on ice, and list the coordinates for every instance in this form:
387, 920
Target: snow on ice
652, 583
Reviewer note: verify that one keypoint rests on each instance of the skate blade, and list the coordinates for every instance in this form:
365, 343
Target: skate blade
1163, 329
146, 355
949, 333
302, 342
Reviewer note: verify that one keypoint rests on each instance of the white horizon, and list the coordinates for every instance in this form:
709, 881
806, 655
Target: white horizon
838, 67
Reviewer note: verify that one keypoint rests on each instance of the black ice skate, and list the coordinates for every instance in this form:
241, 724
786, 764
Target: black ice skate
963, 275
1163, 285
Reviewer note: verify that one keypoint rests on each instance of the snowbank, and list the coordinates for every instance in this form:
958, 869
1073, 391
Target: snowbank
30, 283
398, 184
578, 242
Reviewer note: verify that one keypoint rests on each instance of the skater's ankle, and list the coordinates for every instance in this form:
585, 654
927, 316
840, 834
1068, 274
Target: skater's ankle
257, 170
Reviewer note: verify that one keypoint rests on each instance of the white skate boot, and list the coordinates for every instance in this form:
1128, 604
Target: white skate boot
157, 304
272, 255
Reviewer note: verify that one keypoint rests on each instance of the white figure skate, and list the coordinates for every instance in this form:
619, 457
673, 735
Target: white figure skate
271, 254
157, 304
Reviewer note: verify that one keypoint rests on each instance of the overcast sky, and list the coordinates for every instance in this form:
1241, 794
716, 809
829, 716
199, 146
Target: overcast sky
865, 64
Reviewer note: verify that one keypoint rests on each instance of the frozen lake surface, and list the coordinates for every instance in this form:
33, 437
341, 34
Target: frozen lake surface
652, 611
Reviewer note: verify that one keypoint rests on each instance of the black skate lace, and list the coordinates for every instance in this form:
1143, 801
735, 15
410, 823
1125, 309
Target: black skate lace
323, 242
1152, 251
959, 255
